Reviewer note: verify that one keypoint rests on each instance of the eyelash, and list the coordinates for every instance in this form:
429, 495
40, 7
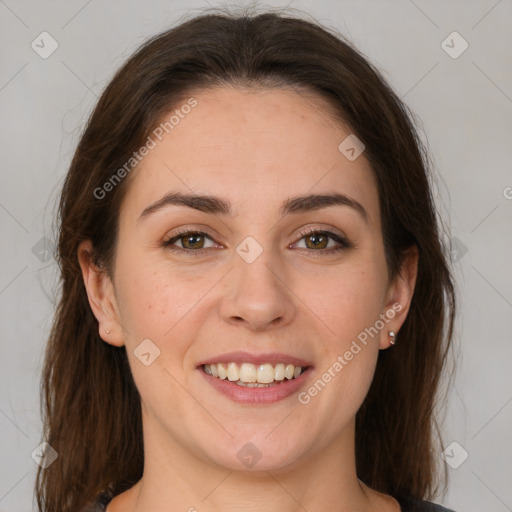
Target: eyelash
345, 244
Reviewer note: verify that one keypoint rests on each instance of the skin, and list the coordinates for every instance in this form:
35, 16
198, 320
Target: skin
256, 149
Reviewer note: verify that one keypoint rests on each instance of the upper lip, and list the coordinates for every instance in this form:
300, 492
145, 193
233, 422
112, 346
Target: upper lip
256, 359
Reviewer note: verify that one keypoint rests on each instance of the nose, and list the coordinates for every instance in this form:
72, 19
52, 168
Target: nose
258, 295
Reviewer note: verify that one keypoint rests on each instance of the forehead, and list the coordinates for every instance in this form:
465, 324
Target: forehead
253, 147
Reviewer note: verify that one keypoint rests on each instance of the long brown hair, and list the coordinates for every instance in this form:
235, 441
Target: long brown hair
92, 411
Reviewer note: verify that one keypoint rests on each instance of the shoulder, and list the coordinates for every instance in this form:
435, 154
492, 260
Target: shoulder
409, 504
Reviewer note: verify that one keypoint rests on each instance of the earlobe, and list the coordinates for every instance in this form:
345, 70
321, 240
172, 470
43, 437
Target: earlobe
400, 296
100, 293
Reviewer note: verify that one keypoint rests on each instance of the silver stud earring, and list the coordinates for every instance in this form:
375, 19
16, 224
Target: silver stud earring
107, 331
392, 337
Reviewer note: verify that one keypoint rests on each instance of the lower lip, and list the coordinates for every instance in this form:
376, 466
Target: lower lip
256, 395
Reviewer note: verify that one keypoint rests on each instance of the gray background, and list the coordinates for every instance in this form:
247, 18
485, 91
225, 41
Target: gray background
464, 105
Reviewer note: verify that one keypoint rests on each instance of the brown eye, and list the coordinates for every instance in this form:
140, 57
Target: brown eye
191, 241
318, 241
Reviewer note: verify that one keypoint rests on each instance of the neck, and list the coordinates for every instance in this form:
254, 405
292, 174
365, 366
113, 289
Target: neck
175, 478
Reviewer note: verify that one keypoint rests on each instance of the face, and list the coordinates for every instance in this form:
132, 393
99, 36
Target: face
274, 280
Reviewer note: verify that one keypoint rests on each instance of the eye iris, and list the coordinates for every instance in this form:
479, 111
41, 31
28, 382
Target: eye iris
185, 240
313, 241
316, 236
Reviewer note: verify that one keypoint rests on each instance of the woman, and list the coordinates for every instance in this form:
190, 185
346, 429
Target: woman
256, 307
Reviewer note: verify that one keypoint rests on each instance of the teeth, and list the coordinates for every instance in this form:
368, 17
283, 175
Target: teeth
254, 384
221, 370
265, 374
279, 371
251, 375
247, 373
233, 373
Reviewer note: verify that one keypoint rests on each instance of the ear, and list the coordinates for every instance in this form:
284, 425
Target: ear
399, 296
100, 293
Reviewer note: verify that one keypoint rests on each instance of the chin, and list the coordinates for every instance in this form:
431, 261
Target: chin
255, 455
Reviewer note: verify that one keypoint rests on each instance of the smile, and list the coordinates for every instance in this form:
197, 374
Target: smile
251, 375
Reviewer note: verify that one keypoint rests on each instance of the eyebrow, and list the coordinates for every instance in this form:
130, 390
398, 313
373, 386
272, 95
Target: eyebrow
217, 205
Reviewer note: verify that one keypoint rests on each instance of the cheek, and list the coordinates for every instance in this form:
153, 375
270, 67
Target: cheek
140, 297
348, 304
154, 307
347, 300
150, 302
162, 304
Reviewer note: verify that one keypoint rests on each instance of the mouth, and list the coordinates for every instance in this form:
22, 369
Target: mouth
256, 379
254, 376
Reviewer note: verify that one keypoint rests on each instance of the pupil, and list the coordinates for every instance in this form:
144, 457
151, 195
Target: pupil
317, 238
190, 239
